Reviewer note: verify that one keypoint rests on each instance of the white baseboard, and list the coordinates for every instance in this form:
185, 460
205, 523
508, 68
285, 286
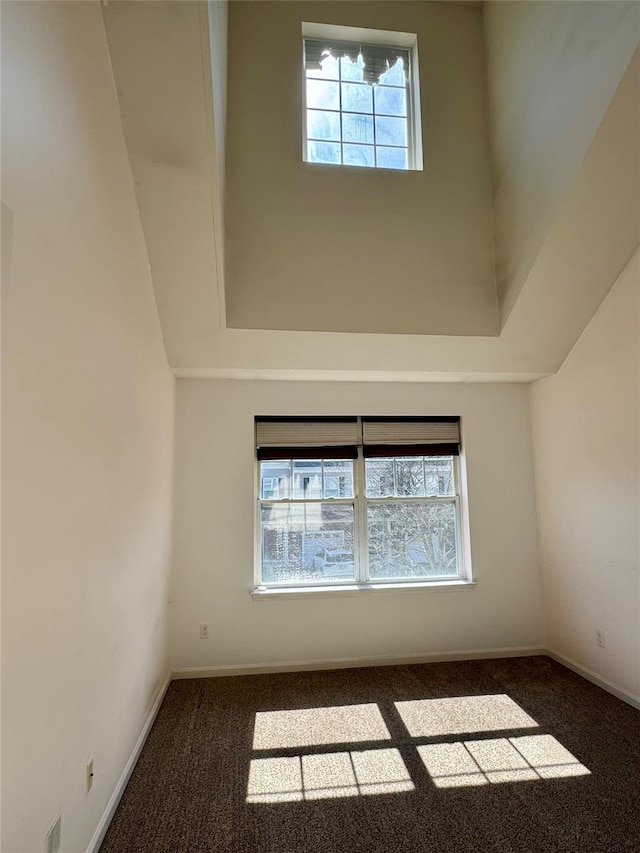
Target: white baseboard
590, 675
348, 663
112, 805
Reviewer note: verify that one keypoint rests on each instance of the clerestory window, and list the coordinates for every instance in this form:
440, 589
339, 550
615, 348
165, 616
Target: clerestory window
361, 104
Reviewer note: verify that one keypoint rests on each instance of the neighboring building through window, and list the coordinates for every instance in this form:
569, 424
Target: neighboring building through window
360, 105
358, 500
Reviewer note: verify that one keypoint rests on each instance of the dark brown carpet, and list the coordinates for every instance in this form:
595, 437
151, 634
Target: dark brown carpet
189, 789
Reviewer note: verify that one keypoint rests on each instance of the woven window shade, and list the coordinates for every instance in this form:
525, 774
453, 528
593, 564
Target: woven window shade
377, 59
438, 436
306, 438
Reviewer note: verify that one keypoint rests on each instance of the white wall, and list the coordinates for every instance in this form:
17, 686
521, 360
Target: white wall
87, 428
553, 68
327, 248
214, 533
586, 429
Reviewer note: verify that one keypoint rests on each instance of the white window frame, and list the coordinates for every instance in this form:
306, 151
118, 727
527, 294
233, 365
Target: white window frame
447, 499
360, 502
386, 38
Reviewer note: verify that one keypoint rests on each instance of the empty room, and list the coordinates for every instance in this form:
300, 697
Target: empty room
320, 426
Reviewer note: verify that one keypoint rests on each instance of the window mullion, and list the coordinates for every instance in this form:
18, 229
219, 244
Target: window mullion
340, 104
411, 139
362, 570
375, 147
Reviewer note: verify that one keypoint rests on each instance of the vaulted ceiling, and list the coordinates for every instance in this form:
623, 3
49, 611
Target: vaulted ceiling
561, 102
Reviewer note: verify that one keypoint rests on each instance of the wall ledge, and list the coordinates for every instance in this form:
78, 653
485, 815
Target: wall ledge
266, 593
252, 374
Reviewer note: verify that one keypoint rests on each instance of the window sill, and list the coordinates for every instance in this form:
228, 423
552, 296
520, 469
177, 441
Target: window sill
264, 593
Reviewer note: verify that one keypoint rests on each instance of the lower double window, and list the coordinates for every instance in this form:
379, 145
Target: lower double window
340, 521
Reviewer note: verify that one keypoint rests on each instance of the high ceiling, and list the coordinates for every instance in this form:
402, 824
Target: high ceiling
563, 93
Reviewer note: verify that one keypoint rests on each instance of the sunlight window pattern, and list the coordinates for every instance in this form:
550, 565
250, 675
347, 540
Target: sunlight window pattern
314, 726
499, 760
462, 714
327, 774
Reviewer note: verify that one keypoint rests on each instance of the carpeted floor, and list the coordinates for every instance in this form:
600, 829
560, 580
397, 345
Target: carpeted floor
524, 757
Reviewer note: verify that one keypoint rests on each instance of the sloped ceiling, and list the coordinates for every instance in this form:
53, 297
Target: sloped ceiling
168, 79
552, 70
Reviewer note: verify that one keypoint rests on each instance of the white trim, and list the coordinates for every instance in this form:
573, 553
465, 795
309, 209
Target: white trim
414, 113
350, 663
112, 805
331, 375
264, 593
337, 32
361, 528
594, 678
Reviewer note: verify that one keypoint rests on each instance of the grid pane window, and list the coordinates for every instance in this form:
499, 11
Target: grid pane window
353, 123
307, 523
409, 540
318, 526
307, 543
416, 537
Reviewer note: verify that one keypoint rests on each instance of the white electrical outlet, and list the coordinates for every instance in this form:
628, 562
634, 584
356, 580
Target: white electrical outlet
600, 637
52, 838
89, 774
204, 630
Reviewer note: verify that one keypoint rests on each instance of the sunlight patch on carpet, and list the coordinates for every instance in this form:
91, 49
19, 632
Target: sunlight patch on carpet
319, 726
496, 760
463, 715
327, 776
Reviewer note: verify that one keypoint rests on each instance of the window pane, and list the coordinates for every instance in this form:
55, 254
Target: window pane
324, 152
323, 95
403, 475
358, 155
352, 70
274, 480
409, 476
328, 69
408, 540
357, 97
307, 542
380, 474
323, 125
307, 479
357, 128
439, 475
338, 478
390, 101
395, 76
391, 131
392, 158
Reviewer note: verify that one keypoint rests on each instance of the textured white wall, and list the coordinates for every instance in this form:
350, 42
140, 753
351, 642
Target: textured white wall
87, 429
214, 531
586, 437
